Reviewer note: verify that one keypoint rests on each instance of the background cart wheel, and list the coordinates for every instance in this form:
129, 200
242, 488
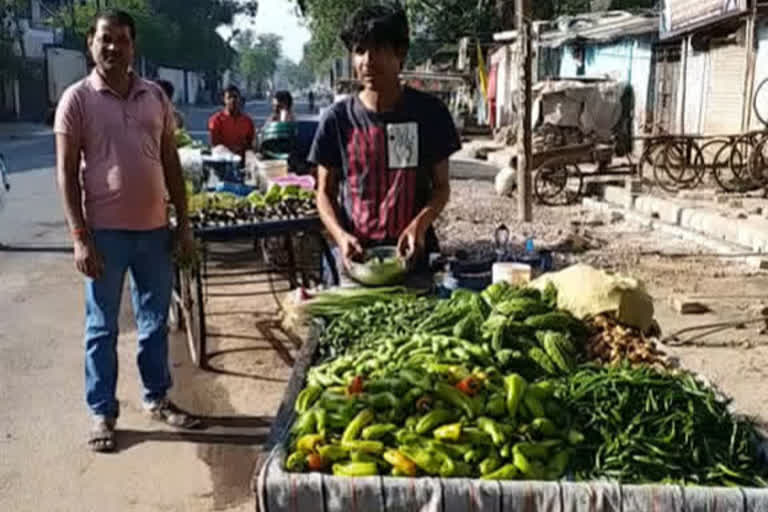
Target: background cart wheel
557, 186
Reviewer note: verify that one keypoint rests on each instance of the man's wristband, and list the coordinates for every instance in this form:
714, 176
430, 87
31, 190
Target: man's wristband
79, 232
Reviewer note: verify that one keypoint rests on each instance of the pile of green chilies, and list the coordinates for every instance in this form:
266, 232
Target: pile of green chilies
648, 426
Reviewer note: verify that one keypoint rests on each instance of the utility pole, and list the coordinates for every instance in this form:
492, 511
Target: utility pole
524, 149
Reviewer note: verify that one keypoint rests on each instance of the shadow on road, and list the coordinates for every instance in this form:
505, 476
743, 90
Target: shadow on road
34, 249
127, 439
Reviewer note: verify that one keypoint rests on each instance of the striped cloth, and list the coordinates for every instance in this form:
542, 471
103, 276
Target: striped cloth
279, 491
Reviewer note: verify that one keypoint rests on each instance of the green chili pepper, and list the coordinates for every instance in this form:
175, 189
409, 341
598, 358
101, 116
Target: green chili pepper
508, 472
476, 436
425, 460
306, 398
321, 420
544, 426
575, 437
352, 431
456, 398
333, 452
515, 385
384, 400
305, 424
475, 455
491, 428
310, 442
558, 464
296, 462
377, 431
355, 469
490, 464
533, 405
367, 457
373, 447
401, 463
433, 419
451, 432
496, 406
455, 450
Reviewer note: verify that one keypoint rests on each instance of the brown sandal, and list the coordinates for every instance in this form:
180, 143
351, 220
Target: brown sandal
167, 412
101, 438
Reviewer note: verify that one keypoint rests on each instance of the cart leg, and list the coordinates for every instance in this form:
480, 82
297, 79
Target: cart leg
288, 240
202, 350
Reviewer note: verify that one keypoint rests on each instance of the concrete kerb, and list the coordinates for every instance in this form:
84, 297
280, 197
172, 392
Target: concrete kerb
730, 251
751, 233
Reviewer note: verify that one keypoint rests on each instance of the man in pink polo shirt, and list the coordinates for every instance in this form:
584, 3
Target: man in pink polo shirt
116, 161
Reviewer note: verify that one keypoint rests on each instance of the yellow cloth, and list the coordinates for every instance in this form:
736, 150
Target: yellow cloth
482, 75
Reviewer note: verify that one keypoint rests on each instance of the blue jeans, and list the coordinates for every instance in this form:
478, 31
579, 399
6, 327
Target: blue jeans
146, 255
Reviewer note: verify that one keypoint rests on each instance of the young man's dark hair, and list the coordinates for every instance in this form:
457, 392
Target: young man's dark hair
377, 26
232, 90
115, 16
167, 87
284, 98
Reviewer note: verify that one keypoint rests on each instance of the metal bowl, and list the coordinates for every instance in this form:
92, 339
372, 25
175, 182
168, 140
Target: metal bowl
374, 273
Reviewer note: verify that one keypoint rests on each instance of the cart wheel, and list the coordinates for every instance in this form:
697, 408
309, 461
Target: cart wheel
730, 170
558, 186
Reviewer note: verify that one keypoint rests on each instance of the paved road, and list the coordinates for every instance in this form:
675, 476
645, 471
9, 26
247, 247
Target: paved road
31, 146
43, 461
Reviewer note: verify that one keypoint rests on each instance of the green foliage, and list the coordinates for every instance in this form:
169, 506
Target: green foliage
298, 76
179, 33
258, 57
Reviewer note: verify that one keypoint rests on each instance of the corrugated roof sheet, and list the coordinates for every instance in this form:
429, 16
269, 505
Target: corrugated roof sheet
601, 27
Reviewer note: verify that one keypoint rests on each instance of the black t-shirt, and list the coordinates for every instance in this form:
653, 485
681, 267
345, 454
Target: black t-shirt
385, 160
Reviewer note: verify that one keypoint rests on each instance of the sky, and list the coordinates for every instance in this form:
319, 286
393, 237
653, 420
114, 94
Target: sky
278, 17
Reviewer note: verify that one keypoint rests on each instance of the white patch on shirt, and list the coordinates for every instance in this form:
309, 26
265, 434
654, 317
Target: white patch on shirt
403, 143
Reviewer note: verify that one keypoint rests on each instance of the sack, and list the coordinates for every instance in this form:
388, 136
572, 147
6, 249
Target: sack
587, 291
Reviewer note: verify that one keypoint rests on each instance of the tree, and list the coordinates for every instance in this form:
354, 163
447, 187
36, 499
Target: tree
298, 76
434, 23
258, 57
173, 33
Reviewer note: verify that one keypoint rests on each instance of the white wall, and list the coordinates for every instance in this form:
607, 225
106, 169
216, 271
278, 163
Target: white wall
176, 77
761, 73
194, 85
64, 67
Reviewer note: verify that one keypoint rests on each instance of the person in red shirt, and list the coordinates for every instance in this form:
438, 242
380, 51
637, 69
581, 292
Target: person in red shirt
231, 127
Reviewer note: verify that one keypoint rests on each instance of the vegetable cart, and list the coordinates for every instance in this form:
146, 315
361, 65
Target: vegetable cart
192, 284
278, 489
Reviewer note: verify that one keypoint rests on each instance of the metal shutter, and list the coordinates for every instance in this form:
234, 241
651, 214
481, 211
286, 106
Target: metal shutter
724, 104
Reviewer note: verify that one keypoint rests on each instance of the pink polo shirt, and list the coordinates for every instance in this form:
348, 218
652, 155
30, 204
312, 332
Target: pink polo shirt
120, 140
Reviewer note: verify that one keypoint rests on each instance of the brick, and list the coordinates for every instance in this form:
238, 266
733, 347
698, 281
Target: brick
663, 209
618, 196
685, 306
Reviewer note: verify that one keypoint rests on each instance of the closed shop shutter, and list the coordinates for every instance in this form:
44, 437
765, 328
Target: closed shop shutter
696, 85
667, 79
724, 104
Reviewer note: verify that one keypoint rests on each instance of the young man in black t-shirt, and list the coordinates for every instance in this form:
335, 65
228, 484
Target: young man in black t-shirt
382, 154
